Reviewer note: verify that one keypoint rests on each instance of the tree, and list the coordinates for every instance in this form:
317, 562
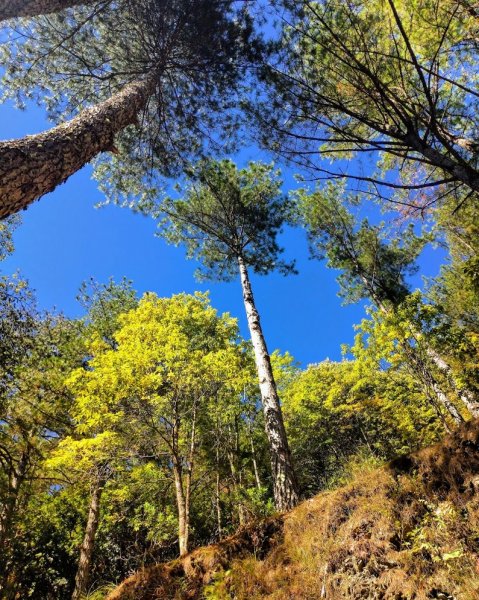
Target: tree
87, 459
104, 304
153, 388
451, 317
93, 457
229, 219
386, 81
149, 75
34, 410
376, 268
340, 411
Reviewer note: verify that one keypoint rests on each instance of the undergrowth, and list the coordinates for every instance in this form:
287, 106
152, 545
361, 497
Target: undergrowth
407, 531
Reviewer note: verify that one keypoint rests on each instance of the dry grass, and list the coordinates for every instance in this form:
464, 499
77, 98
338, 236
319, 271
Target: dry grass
186, 578
408, 531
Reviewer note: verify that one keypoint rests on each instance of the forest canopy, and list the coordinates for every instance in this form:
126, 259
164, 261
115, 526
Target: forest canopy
137, 427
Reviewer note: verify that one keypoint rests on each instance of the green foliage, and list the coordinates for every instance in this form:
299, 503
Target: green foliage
104, 304
373, 264
228, 213
336, 413
389, 83
7, 227
77, 58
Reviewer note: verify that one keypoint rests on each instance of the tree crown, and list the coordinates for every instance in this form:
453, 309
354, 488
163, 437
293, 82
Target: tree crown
226, 214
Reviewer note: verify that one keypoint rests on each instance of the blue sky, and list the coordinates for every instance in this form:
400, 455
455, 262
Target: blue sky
63, 240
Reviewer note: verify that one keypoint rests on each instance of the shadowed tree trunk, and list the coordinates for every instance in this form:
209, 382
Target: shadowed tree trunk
285, 486
183, 476
11, 9
36, 164
7, 515
88, 545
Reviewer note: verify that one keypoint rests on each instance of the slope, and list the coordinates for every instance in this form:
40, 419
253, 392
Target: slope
406, 531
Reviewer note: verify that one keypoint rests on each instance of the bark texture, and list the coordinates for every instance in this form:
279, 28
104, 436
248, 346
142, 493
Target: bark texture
11, 9
285, 487
88, 545
34, 165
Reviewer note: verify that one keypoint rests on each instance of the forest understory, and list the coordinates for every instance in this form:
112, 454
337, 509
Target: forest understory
405, 531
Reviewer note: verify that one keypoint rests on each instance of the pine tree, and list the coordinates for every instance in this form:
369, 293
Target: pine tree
229, 219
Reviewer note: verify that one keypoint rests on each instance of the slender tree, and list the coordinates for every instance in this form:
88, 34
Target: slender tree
375, 268
85, 561
152, 389
36, 351
229, 219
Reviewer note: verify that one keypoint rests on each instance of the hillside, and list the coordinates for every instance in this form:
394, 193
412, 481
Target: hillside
407, 530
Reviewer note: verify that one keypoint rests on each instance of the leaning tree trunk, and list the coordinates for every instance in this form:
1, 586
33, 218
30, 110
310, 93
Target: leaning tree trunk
88, 545
424, 373
36, 164
467, 397
11, 9
285, 486
431, 387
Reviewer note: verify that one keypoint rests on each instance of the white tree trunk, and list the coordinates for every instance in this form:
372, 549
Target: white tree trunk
464, 394
285, 486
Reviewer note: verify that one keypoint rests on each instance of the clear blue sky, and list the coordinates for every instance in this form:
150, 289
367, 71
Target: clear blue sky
64, 240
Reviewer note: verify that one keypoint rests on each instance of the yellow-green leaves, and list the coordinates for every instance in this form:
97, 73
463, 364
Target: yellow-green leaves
169, 356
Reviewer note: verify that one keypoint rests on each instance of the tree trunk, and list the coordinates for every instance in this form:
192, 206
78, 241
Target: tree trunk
285, 485
236, 488
88, 545
422, 370
183, 516
465, 173
217, 494
429, 382
255, 464
36, 164
466, 396
7, 513
11, 9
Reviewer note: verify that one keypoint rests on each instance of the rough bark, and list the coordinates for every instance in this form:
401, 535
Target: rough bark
88, 545
11, 9
285, 487
34, 165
